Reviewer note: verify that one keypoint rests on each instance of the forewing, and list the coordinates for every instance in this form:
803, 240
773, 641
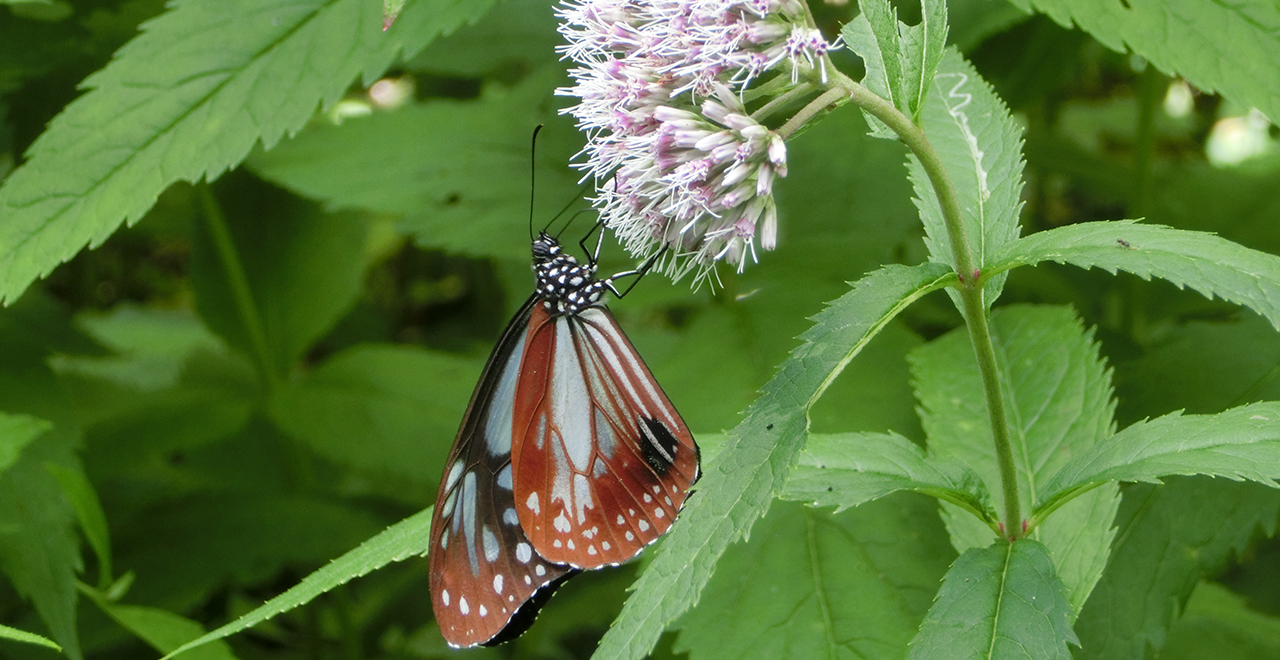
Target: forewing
487, 581
605, 462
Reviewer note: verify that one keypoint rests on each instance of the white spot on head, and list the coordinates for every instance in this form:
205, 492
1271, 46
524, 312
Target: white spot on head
444, 595
540, 570
644, 525
523, 552
532, 502
497, 583
658, 513
463, 606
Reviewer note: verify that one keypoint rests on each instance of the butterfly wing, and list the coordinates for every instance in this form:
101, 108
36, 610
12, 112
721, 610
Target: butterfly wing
487, 580
603, 462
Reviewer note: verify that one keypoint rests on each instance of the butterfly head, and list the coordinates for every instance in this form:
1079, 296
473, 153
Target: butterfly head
564, 285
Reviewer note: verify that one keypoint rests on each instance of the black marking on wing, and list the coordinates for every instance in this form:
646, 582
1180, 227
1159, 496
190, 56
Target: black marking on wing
659, 446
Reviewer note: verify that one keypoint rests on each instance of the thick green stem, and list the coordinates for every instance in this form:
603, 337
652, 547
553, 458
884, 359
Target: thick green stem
971, 287
229, 257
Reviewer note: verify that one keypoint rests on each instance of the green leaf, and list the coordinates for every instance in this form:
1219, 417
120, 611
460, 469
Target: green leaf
1058, 404
1169, 536
922, 48
16, 432
981, 148
1003, 601
38, 547
849, 469
464, 187
239, 538
186, 100
93, 521
270, 278
900, 60
391, 11
737, 488
1232, 48
813, 584
29, 638
162, 629
389, 409
151, 345
405, 539
859, 36
1242, 443
1202, 262
1217, 624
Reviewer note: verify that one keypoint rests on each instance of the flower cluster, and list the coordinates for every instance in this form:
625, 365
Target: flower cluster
683, 165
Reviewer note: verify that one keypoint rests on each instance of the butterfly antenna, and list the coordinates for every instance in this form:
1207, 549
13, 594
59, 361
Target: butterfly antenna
533, 172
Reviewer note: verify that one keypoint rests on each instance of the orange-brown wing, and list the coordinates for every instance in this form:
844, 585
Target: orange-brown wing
487, 581
602, 461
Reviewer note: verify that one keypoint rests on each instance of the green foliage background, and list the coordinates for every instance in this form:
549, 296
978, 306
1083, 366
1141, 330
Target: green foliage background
262, 362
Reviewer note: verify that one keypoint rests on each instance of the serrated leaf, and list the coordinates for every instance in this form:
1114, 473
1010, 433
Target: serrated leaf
186, 100
849, 469
737, 488
812, 584
16, 432
270, 278
162, 629
464, 184
93, 521
1058, 403
981, 149
884, 49
401, 541
1005, 602
1199, 261
1169, 535
1217, 624
859, 37
388, 409
1242, 443
1232, 48
27, 638
922, 48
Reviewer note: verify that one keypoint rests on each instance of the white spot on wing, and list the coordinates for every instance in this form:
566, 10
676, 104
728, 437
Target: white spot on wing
510, 517
490, 544
644, 525
484, 611
497, 425
658, 513
524, 552
504, 477
562, 523
532, 503
497, 583
463, 606
444, 595
540, 570
568, 392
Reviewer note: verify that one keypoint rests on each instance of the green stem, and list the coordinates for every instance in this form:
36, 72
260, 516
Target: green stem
971, 281
229, 257
829, 99
781, 100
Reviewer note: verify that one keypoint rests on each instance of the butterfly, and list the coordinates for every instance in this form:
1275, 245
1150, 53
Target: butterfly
570, 457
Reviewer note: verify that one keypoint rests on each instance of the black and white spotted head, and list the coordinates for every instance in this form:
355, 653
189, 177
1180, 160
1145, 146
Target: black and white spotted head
565, 286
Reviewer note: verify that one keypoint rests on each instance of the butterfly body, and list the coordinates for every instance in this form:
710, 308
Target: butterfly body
569, 457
